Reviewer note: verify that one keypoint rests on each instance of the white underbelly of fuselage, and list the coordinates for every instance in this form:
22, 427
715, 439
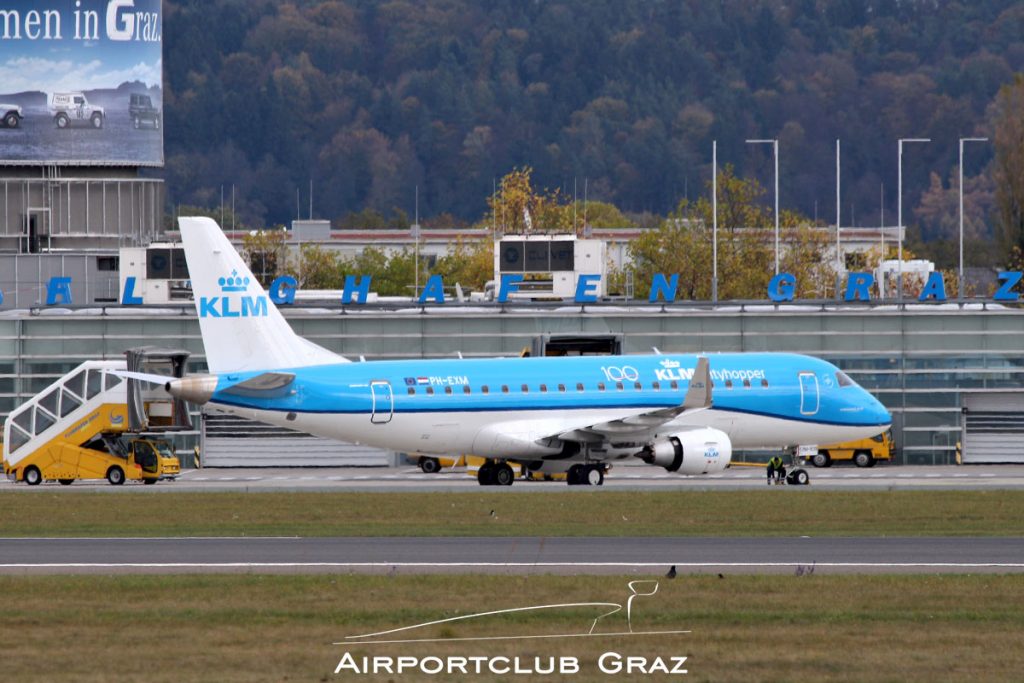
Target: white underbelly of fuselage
458, 433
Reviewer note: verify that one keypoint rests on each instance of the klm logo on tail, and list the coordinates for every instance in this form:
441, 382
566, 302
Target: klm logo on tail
240, 305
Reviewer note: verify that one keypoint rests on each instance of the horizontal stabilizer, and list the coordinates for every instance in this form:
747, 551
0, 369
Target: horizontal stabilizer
269, 384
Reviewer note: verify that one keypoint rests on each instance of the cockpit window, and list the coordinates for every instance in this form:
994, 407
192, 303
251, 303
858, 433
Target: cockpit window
844, 380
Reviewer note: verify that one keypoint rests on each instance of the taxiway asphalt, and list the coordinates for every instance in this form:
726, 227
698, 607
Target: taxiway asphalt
516, 555
623, 477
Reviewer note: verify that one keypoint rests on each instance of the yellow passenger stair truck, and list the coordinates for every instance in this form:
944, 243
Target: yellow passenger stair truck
92, 424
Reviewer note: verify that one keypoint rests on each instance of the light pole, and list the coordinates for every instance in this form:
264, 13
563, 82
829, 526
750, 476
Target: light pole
775, 153
839, 266
960, 277
714, 221
899, 213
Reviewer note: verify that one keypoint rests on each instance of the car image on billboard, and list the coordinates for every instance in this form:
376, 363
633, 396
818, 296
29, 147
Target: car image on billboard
81, 82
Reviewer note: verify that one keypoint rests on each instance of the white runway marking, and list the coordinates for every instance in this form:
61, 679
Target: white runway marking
388, 565
151, 538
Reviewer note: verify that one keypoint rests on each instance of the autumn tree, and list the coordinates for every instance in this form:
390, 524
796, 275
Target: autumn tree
266, 251
1008, 124
518, 208
319, 268
469, 263
684, 245
393, 275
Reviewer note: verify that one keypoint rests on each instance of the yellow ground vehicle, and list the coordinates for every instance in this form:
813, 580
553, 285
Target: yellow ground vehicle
863, 453
80, 427
107, 455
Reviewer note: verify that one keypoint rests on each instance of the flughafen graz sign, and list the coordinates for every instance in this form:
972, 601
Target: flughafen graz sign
781, 289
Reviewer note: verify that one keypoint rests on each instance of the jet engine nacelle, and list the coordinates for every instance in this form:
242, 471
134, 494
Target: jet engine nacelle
697, 451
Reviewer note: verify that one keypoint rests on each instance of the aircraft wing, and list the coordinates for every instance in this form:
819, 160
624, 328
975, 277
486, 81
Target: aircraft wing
698, 397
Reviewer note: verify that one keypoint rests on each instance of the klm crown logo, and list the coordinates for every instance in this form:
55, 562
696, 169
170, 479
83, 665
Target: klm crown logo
233, 283
669, 364
231, 305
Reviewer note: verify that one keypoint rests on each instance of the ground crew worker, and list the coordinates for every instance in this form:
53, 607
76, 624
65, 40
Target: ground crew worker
776, 469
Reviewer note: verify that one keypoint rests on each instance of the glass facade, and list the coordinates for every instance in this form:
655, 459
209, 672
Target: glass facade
919, 360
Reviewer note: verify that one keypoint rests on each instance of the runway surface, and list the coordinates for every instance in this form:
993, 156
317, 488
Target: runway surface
623, 477
521, 555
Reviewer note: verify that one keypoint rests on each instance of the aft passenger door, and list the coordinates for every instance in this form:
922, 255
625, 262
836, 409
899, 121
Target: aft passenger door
809, 399
383, 402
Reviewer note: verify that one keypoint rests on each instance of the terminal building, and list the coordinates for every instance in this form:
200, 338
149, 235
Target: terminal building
949, 374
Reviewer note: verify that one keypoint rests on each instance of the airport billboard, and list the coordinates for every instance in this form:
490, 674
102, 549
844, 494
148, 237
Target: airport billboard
81, 82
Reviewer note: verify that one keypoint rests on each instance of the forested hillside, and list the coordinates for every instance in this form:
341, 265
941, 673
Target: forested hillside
371, 99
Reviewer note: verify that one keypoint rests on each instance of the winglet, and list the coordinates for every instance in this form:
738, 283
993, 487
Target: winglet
699, 393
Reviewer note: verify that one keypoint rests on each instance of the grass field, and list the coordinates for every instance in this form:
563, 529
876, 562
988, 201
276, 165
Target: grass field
778, 512
281, 628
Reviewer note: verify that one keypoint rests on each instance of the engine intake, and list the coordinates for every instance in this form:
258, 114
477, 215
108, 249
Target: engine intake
698, 451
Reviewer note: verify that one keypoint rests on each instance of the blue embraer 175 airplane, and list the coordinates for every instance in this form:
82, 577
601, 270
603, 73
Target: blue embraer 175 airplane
682, 412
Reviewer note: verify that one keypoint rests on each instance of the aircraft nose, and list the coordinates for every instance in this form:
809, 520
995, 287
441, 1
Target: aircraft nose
879, 412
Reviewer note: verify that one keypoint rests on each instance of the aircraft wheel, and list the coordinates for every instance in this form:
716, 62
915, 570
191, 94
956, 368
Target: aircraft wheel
503, 475
595, 476
66, 482
801, 478
574, 477
33, 477
485, 475
430, 465
115, 475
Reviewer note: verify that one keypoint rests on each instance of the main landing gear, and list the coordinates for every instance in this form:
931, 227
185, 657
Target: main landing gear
586, 475
495, 474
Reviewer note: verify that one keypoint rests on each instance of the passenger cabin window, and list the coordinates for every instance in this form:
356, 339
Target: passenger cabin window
638, 386
844, 380
618, 386
412, 391
656, 386
448, 390
600, 386
543, 388
728, 384
504, 388
561, 388
430, 391
764, 383
465, 388
525, 389
746, 384
484, 390
674, 385
579, 386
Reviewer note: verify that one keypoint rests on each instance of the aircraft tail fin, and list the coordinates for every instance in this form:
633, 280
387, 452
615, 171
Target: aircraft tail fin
241, 327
